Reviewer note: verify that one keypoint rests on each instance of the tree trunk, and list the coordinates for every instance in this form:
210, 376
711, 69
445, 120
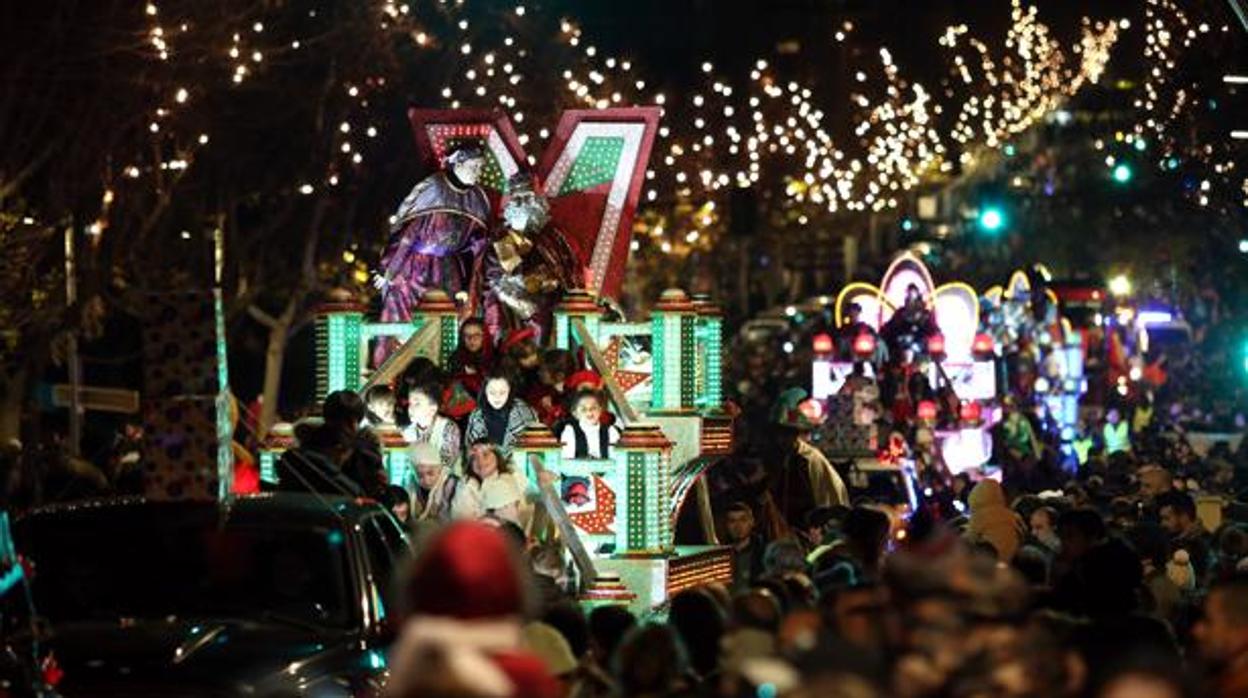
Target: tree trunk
14, 394
274, 357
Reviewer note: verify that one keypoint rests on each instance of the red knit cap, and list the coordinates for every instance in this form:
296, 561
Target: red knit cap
582, 379
516, 337
467, 572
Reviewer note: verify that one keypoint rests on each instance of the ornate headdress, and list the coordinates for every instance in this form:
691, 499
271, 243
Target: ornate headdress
521, 192
464, 153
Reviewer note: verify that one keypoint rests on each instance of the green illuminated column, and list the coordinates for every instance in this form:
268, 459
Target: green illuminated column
643, 525
709, 338
339, 351
674, 321
437, 307
576, 305
268, 465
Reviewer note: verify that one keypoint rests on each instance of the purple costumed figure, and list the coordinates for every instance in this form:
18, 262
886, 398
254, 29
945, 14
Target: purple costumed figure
437, 235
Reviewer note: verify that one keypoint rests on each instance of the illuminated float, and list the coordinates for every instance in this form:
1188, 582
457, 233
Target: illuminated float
662, 376
1043, 354
909, 325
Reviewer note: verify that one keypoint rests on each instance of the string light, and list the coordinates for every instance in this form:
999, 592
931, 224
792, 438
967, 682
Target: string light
729, 132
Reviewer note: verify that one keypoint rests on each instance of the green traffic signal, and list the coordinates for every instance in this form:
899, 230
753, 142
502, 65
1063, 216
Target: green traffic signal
991, 219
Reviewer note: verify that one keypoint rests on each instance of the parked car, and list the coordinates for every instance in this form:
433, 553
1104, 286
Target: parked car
264, 595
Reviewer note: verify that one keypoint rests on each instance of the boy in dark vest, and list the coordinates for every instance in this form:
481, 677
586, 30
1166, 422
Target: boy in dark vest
586, 436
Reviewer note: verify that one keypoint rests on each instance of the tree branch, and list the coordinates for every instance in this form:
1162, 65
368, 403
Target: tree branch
261, 317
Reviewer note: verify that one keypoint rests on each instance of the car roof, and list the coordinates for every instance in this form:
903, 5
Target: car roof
286, 506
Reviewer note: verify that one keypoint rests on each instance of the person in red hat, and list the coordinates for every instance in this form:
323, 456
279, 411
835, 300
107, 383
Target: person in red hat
520, 358
582, 380
466, 600
548, 395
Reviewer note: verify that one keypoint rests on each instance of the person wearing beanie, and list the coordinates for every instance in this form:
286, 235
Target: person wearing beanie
521, 358
463, 630
474, 357
435, 485
501, 497
992, 521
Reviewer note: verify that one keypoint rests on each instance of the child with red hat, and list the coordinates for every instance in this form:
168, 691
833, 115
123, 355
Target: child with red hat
548, 395
520, 358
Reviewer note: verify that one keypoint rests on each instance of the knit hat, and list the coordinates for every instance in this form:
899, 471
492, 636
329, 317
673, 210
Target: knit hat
423, 453
516, 337
467, 572
585, 379
498, 492
546, 642
466, 597
1180, 571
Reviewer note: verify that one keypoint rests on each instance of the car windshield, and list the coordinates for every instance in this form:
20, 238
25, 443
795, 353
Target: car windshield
185, 562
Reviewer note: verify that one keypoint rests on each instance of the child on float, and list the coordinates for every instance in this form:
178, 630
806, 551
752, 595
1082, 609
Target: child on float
489, 485
434, 485
473, 358
588, 435
548, 397
520, 357
428, 426
500, 415
380, 405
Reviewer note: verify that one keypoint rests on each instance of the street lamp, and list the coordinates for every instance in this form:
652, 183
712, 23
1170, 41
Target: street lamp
1120, 285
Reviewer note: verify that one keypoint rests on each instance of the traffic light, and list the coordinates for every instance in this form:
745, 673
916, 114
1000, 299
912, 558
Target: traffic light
1122, 173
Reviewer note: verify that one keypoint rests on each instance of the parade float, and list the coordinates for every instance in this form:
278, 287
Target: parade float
1043, 355
916, 336
662, 375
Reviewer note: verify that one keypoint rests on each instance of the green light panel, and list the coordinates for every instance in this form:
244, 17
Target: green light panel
449, 339
399, 467
658, 362
338, 350
268, 465
687, 356
595, 164
225, 427
563, 331
660, 519
710, 363
402, 331
635, 473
